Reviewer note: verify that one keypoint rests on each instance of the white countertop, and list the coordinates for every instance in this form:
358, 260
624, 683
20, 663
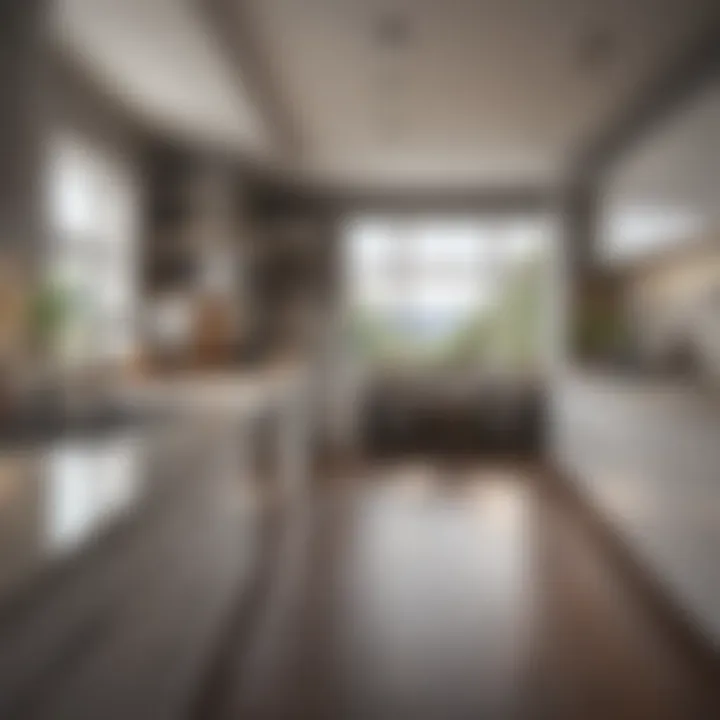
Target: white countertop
221, 392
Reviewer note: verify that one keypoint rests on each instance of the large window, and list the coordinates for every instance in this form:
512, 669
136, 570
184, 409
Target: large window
91, 278
470, 291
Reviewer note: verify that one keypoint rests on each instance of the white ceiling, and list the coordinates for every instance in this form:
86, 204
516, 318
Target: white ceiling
163, 63
484, 93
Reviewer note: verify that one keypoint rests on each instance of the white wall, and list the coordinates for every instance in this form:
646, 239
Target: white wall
666, 188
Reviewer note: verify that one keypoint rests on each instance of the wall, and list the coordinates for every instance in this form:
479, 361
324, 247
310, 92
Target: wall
675, 306
81, 107
644, 451
665, 190
660, 218
22, 113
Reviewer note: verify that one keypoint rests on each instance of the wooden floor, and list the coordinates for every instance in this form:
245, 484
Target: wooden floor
409, 589
431, 591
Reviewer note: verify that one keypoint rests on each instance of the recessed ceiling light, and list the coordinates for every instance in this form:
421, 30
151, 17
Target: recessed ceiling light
392, 31
596, 48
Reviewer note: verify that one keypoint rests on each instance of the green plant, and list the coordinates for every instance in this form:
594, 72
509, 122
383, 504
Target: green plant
50, 311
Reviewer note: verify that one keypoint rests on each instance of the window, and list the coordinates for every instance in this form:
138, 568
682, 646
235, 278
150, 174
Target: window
633, 232
91, 271
448, 290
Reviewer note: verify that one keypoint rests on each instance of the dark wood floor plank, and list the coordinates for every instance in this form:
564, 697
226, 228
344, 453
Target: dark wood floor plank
405, 589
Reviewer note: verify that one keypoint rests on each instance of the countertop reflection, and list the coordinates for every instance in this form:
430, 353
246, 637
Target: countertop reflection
60, 497
120, 558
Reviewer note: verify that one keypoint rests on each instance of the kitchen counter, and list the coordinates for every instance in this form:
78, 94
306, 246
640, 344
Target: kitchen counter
60, 496
120, 559
266, 413
646, 453
215, 392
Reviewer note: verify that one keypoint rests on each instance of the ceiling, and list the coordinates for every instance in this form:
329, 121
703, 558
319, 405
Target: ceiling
159, 58
396, 93
485, 92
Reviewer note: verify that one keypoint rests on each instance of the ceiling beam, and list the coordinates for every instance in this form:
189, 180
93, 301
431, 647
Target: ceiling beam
498, 201
231, 24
